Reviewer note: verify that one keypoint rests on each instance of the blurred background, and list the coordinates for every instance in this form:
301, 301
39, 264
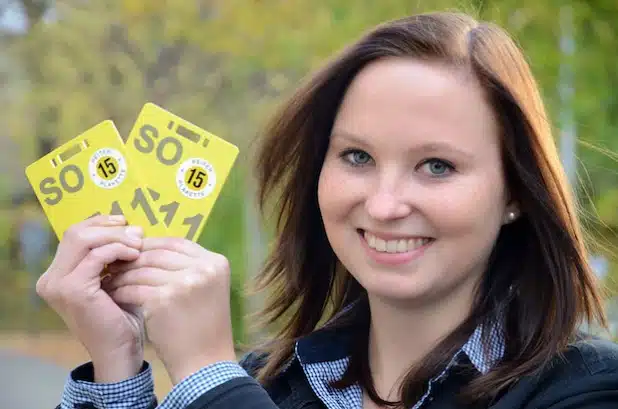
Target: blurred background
224, 65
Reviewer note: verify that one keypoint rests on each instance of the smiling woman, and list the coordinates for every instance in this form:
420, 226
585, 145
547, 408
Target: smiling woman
441, 232
428, 252
423, 167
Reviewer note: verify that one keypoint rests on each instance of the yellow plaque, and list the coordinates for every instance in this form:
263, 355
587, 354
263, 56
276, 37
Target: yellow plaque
184, 168
92, 174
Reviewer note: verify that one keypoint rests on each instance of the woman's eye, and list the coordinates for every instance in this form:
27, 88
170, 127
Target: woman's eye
356, 157
437, 167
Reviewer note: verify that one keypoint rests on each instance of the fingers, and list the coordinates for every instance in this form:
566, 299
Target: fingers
89, 237
98, 231
163, 259
104, 220
134, 294
176, 244
54, 289
96, 260
142, 276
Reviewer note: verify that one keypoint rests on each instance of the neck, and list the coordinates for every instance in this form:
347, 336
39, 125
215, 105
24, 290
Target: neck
400, 336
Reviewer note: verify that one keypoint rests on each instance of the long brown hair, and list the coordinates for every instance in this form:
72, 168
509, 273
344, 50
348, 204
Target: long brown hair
538, 281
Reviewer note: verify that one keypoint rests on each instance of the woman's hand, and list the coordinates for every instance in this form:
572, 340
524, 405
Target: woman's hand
111, 334
184, 293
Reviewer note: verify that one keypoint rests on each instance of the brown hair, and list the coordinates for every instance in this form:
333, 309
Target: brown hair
538, 281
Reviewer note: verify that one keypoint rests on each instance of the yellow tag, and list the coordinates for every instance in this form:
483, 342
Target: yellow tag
91, 174
184, 168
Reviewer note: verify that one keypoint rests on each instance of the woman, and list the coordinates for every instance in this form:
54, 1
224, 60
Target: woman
428, 255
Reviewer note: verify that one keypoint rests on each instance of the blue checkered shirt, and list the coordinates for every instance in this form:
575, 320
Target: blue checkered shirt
138, 392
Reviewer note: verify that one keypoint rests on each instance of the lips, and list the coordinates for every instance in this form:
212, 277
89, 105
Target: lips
394, 245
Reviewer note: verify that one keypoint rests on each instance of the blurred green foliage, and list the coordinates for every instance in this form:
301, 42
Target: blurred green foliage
224, 64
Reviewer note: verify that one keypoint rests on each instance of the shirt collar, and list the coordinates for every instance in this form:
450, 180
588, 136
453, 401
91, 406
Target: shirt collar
484, 348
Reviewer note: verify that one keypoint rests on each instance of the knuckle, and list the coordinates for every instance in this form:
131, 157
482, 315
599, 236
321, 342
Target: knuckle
42, 288
72, 233
192, 281
147, 257
175, 243
99, 254
216, 264
77, 237
48, 290
215, 273
222, 263
117, 247
205, 267
221, 267
100, 218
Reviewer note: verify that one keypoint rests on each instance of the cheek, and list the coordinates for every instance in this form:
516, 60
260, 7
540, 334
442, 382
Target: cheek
338, 191
475, 207
325, 188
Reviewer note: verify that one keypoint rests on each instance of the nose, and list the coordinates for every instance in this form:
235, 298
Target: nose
387, 204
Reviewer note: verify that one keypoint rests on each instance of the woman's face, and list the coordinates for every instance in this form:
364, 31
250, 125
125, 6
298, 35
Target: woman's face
412, 192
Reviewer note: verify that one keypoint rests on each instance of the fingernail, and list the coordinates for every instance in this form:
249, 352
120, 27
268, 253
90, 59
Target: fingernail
116, 218
135, 232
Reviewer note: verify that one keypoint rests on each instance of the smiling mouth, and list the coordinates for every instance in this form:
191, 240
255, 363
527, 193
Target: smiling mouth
402, 245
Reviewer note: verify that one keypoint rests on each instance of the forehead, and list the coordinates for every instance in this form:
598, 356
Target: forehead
419, 101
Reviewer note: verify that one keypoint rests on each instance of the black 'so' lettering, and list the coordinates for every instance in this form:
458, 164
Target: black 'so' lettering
177, 151
69, 184
65, 182
47, 187
147, 133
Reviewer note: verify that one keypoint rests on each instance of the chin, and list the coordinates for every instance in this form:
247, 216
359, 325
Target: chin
386, 286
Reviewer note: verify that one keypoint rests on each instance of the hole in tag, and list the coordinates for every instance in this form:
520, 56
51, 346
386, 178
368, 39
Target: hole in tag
54, 163
188, 134
70, 152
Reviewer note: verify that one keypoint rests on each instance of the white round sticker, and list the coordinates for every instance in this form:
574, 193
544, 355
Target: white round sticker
196, 178
107, 168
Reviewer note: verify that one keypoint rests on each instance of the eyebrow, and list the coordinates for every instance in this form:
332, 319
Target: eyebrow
426, 148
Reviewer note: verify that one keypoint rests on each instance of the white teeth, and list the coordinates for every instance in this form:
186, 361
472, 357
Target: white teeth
371, 240
394, 246
380, 245
391, 246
